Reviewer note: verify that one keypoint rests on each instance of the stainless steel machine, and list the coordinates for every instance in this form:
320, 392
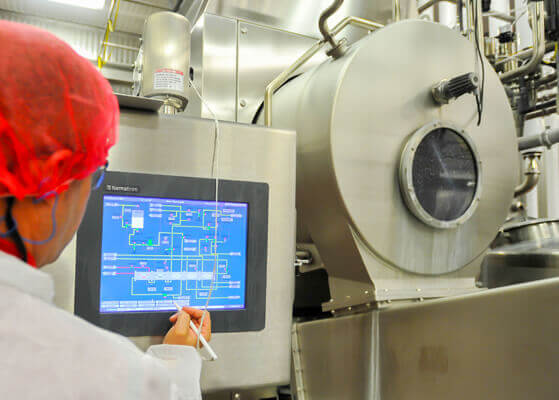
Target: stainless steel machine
413, 190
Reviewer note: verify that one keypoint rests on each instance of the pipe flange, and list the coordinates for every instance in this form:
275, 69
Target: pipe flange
339, 50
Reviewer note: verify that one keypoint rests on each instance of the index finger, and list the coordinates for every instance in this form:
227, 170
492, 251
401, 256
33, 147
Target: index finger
193, 312
182, 325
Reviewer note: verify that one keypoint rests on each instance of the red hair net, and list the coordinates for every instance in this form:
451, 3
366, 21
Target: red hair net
58, 114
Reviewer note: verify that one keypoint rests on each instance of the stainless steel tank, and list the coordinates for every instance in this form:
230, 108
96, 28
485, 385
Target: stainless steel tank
166, 59
392, 187
523, 251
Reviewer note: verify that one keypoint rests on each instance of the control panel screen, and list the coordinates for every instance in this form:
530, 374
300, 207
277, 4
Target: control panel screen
157, 251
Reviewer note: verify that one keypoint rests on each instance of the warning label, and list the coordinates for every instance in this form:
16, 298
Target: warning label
168, 79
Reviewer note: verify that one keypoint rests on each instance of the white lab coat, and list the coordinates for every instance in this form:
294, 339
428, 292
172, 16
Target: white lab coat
47, 353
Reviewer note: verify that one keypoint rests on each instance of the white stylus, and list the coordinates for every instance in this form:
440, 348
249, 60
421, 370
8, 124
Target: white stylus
202, 340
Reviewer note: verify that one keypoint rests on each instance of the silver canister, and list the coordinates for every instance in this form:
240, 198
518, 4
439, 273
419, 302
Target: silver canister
166, 59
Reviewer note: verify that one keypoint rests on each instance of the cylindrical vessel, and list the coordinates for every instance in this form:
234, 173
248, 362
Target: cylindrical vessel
356, 116
166, 58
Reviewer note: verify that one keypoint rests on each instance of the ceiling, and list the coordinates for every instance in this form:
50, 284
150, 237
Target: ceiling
131, 17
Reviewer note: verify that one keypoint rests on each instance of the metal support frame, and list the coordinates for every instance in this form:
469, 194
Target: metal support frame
281, 78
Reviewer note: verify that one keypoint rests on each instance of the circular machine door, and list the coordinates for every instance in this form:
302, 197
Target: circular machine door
424, 188
440, 175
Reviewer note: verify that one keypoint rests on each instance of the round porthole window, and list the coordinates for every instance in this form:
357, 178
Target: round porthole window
440, 175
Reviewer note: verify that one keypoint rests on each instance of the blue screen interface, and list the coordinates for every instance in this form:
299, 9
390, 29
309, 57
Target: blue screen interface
159, 251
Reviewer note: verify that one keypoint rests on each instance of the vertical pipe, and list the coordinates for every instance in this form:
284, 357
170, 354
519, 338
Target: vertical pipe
536, 15
474, 17
397, 10
460, 15
469, 20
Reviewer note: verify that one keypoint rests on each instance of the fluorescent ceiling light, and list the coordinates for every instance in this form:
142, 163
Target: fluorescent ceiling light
92, 4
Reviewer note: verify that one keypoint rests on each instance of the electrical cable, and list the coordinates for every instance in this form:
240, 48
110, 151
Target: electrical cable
479, 97
215, 174
53, 219
13, 228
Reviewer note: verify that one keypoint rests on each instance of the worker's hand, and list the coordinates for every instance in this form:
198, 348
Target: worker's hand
181, 333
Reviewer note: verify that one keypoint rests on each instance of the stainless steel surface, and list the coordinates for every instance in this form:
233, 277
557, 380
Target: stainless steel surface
537, 17
530, 182
536, 254
547, 138
139, 103
339, 358
408, 189
350, 134
431, 3
192, 9
183, 146
214, 60
234, 60
524, 250
297, 377
166, 58
269, 393
504, 270
498, 344
284, 76
295, 15
531, 232
337, 48
262, 54
531, 173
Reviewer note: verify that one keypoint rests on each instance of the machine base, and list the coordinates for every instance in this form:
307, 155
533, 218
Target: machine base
497, 344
